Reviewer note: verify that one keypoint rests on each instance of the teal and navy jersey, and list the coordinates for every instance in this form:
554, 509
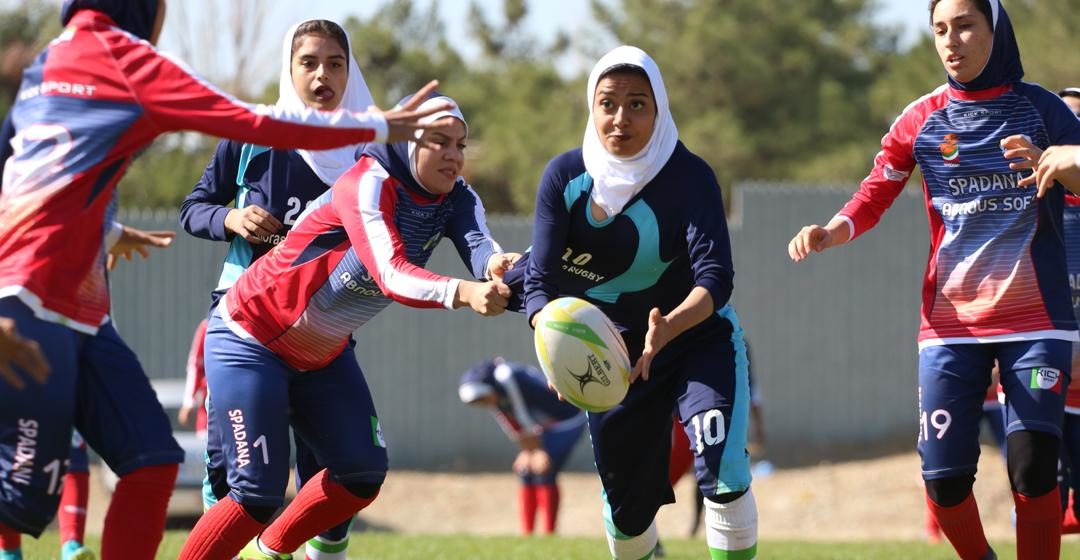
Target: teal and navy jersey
668, 239
279, 181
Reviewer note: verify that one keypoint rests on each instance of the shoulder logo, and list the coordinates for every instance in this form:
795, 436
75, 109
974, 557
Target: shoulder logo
950, 150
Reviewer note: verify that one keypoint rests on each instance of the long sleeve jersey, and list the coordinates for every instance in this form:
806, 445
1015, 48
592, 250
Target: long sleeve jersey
996, 269
1072, 253
668, 239
357, 248
279, 181
527, 406
90, 101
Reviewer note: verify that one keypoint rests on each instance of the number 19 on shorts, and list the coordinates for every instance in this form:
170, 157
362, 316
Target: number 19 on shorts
934, 424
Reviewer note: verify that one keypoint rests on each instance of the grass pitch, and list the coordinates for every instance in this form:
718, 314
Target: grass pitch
387, 546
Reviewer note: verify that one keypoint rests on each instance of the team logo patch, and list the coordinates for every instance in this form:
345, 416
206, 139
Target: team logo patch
894, 175
1047, 379
376, 433
950, 150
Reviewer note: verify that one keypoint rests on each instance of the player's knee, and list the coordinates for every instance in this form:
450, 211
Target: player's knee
726, 498
641, 545
362, 489
949, 492
262, 514
1032, 462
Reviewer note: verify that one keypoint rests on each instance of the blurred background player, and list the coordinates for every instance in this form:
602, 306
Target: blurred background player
645, 218
1072, 99
268, 190
277, 347
195, 384
962, 134
1070, 438
546, 429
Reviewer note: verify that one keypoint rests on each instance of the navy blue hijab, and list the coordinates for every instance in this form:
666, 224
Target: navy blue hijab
134, 16
395, 158
1003, 66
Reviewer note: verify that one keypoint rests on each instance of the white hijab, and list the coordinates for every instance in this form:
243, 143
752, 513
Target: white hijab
327, 164
455, 112
615, 179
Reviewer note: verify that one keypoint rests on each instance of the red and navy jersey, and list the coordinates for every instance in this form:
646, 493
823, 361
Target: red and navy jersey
356, 249
89, 102
1072, 252
996, 269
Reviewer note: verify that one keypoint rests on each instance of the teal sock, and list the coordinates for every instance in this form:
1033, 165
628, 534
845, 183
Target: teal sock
13, 554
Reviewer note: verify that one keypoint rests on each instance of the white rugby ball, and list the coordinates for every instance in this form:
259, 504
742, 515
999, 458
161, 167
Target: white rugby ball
582, 354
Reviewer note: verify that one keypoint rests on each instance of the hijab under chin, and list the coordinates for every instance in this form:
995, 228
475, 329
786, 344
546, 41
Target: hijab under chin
1003, 67
327, 164
616, 180
399, 158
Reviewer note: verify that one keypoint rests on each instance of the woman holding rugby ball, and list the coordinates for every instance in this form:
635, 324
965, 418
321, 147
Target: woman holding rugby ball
641, 219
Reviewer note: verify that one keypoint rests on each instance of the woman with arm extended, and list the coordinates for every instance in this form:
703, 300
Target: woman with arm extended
995, 285
277, 346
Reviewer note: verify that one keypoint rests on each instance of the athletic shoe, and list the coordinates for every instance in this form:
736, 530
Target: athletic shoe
255, 552
74, 550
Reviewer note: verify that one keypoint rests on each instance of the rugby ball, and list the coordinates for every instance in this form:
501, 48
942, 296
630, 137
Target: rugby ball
582, 354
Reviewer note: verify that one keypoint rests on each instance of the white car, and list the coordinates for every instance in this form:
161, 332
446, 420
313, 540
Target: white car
171, 394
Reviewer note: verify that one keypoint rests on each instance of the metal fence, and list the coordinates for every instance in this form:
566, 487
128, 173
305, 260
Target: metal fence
833, 337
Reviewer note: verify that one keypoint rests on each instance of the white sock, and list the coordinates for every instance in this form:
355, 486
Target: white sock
323, 549
732, 527
633, 548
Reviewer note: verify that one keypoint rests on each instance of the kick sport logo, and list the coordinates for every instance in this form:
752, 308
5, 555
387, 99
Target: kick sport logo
1047, 379
589, 376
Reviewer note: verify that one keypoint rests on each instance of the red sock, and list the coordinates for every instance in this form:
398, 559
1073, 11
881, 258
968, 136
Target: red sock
1038, 526
548, 497
1070, 524
933, 530
963, 528
681, 457
10, 539
220, 533
140, 500
321, 503
527, 497
72, 513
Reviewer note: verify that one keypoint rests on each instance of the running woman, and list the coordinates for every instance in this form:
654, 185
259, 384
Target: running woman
634, 223
546, 429
98, 94
277, 346
269, 189
996, 284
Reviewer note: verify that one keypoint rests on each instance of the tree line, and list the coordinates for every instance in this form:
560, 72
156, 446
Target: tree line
796, 91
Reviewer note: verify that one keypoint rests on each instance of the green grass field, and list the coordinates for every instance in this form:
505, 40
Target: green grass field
384, 546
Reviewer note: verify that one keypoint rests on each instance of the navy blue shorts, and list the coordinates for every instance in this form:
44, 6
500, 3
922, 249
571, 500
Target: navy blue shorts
79, 462
256, 397
98, 386
953, 380
707, 383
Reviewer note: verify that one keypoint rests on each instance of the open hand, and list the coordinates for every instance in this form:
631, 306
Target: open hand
138, 241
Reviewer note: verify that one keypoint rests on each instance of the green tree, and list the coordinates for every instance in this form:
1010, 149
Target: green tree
24, 30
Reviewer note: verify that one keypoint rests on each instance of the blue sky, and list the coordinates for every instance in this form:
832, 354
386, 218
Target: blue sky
545, 16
